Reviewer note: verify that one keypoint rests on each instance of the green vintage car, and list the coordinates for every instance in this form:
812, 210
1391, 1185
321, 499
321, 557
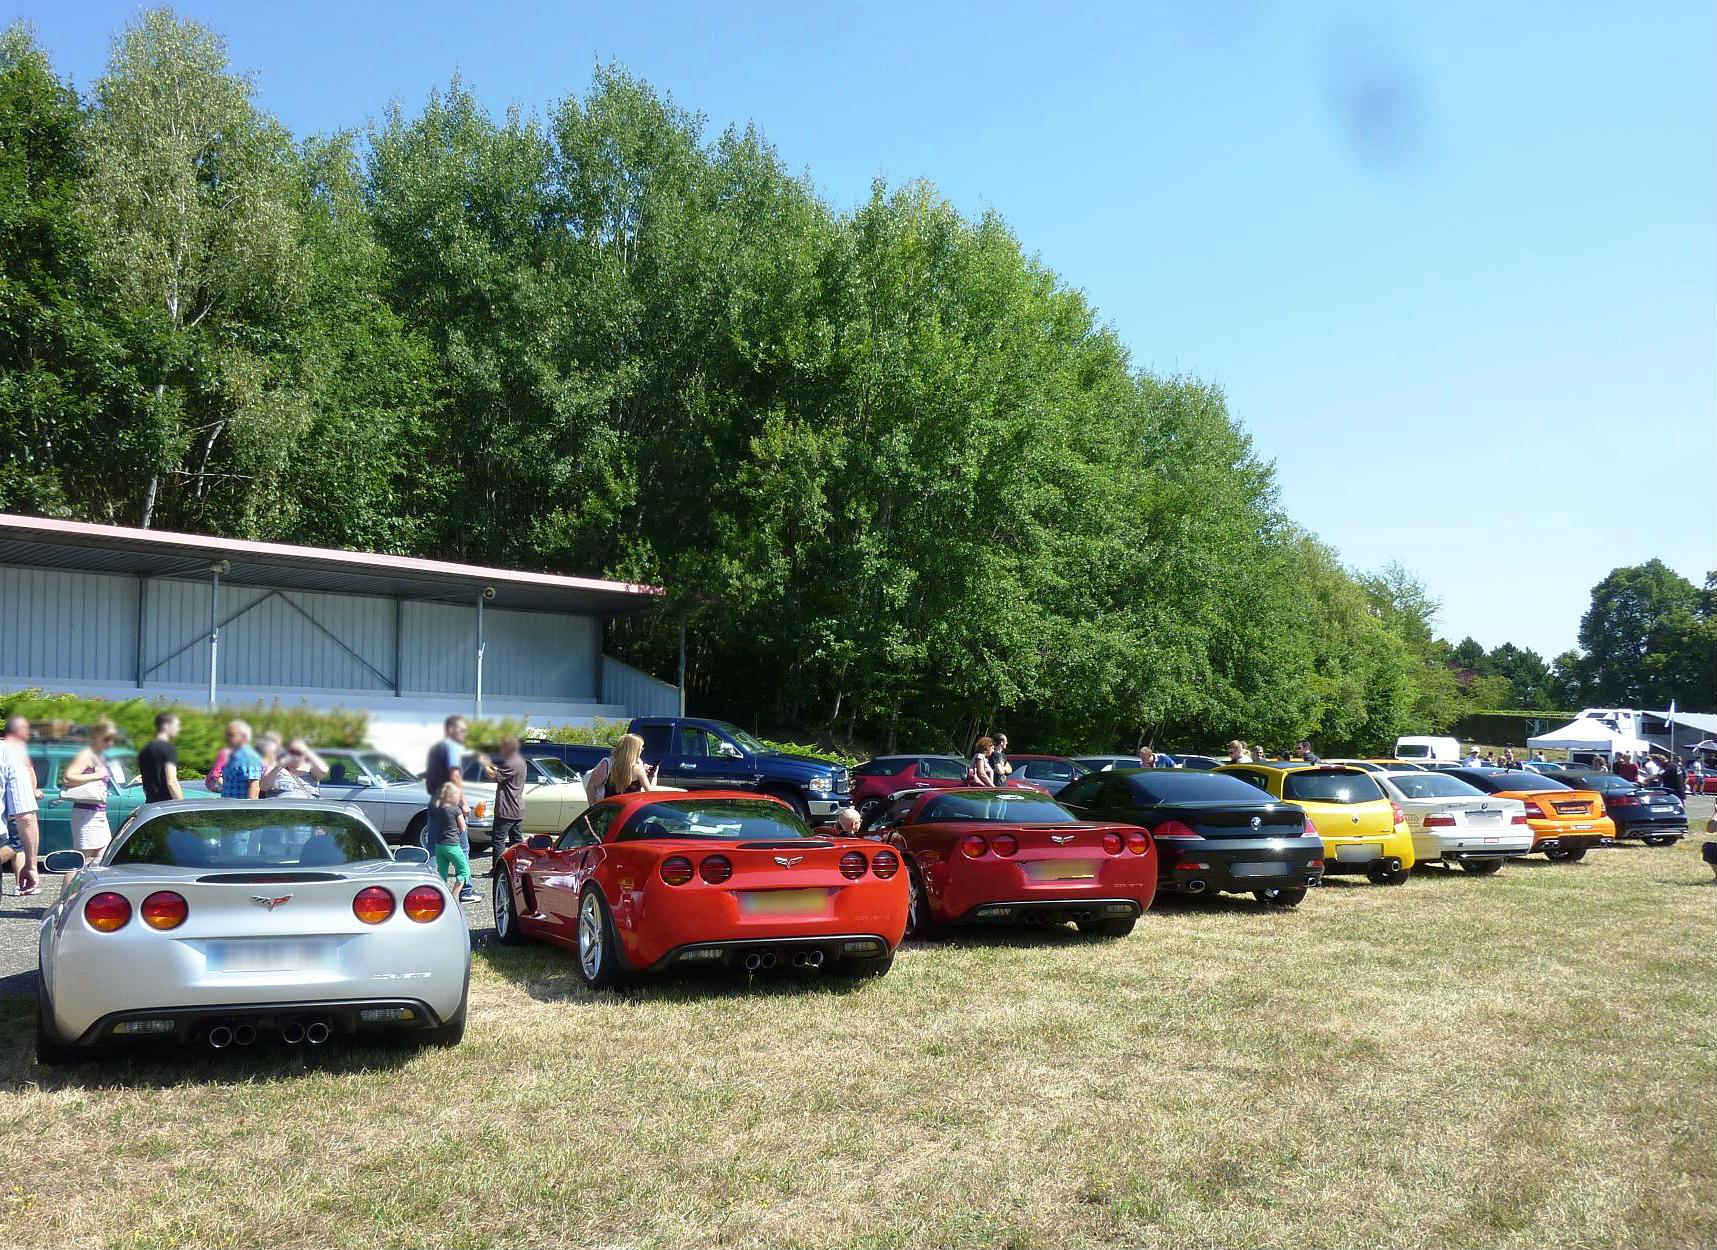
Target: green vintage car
54, 814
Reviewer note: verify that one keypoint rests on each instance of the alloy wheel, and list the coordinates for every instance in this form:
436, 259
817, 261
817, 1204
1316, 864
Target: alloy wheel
590, 936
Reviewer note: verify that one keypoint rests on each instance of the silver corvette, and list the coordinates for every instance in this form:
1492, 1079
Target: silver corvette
222, 922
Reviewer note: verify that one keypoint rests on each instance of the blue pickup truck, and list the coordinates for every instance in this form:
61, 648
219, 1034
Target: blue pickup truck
714, 755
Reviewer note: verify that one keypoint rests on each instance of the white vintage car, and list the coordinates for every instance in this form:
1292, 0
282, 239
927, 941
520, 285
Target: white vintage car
224, 923
392, 796
554, 793
1457, 823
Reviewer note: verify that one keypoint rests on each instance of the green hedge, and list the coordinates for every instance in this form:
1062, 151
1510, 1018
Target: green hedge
202, 730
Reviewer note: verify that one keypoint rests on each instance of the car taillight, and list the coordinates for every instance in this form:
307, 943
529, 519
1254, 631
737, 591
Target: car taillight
1395, 811
1311, 827
425, 903
972, 846
715, 869
676, 870
1625, 800
1138, 842
853, 865
1005, 844
1174, 829
107, 911
372, 905
885, 864
1113, 844
164, 909
1519, 819
1439, 822
1532, 808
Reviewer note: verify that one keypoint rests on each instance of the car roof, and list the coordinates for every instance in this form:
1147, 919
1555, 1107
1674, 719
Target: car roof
640, 798
214, 803
1037, 755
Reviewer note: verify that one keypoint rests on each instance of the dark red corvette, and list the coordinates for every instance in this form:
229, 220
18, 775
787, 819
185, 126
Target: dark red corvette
716, 878
977, 856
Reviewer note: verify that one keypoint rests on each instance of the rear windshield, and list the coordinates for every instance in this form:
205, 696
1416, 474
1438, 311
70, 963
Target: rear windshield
1319, 786
1413, 751
1195, 787
1433, 786
744, 819
1512, 780
1013, 809
250, 838
1605, 783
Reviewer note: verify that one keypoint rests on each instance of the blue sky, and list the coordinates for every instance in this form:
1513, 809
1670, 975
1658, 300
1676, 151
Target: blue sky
1455, 265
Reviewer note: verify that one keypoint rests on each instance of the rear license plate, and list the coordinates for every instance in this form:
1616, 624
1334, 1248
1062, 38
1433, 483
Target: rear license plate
1484, 818
269, 955
1361, 851
1572, 809
1275, 868
1493, 839
783, 902
1060, 869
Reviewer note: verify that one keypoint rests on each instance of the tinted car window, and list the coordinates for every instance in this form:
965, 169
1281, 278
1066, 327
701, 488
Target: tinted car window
1432, 786
1020, 808
1082, 793
1604, 783
939, 768
252, 838
1256, 780
590, 826
1194, 787
1318, 786
655, 739
881, 768
896, 814
695, 818
1492, 780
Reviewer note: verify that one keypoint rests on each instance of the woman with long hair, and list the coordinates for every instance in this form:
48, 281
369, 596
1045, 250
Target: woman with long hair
87, 781
979, 772
622, 772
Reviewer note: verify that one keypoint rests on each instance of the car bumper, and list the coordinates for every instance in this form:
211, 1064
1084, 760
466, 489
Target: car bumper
1568, 835
824, 806
1456, 847
1355, 854
1053, 911
654, 923
344, 1018
1653, 825
1204, 866
960, 887
777, 952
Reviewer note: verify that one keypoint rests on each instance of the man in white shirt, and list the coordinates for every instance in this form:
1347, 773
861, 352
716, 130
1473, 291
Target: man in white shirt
18, 800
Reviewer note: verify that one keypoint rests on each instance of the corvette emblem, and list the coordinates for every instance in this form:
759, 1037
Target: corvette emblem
787, 861
270, 903
1061, 839
1256, 821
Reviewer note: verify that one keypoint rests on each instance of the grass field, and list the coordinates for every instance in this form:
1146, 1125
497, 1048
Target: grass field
1522, 1060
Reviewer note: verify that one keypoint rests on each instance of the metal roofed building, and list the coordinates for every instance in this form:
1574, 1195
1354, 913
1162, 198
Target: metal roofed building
118, 612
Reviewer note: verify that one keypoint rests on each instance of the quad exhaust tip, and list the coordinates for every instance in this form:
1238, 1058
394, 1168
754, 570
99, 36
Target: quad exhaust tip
316, 1032
292, 1032
1196, 887
220, 1037
244, 1034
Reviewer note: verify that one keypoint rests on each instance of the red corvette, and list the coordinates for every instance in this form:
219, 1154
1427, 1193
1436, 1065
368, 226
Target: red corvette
1012, 856
712, 879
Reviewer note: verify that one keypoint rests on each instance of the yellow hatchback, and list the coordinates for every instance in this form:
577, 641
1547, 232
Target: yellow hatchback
1362, 830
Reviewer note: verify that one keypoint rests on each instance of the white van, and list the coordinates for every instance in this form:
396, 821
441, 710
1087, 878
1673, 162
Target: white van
1415, 747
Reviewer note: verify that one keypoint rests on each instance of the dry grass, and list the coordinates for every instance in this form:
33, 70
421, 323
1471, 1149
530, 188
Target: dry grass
1523, 1060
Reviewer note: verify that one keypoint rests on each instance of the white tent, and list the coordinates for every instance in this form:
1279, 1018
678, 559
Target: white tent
1589, 735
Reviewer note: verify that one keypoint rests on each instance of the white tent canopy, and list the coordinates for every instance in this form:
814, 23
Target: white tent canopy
1589, 735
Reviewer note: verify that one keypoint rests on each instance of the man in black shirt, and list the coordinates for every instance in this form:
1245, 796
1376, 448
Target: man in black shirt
508, 774
159, 762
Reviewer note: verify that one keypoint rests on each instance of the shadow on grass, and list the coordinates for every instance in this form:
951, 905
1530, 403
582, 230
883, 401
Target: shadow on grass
549, 974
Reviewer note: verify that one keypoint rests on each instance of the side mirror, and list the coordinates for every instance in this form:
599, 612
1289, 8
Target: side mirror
410, 855
540, 842
62, 861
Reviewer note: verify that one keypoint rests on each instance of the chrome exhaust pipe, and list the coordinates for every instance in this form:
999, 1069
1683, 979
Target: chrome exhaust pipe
768, 959
316, 1032
814, 959
799, 959
292, 1032
1196, 887
220, 1037
753, 962
244, 1034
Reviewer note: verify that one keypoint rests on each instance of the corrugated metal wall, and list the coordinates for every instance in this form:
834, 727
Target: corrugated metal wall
83, 627
641, 693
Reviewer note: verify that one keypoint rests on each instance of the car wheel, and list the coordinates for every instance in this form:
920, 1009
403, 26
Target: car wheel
857, 968
1562, 855
507, 931
793, 800
1482, 867
1281, 896
1659, 840
414, 834
598, 948
920, 920
1112, 927
868, 810
50, 1047
451, 1031
1387, 872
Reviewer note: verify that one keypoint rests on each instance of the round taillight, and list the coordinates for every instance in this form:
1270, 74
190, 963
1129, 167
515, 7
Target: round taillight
853, 865
372, 905
425, 903
972, 846
885, 864
107, 911
1138, 842
715, 869
676, 870
164, 909
1005, 844
1112, 843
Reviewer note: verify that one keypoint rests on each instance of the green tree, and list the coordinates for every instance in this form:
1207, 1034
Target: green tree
1642, 640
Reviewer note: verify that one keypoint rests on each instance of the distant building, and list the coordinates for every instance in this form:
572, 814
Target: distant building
1660, 728
117, 612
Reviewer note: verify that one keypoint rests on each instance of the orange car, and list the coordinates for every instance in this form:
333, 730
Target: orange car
1566, 823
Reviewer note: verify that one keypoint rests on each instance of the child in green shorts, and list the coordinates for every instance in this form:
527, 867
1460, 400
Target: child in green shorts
446, 823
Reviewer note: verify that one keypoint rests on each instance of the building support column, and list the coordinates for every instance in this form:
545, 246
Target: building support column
398, 647
481, 595
215, 571
142, 623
